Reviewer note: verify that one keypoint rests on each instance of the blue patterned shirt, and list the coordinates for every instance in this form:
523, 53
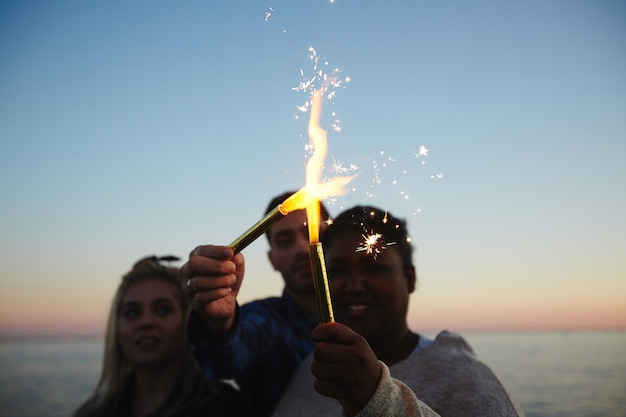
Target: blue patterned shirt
269, 340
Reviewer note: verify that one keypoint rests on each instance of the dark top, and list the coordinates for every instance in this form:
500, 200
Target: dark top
207, 399
269, 340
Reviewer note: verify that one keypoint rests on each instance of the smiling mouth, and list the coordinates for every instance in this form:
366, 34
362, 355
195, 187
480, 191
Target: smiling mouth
357, 307
147, 341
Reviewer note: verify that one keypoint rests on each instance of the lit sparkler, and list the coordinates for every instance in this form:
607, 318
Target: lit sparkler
313, 178
315, 190
300, 200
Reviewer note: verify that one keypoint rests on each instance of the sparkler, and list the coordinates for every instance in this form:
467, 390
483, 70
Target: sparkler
312, 193
259, 228
297, 201
320, 281
313, 177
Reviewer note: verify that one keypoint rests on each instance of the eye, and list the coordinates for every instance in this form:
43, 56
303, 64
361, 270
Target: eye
336, 271
375, 269
131, 313
284, 242
164, 310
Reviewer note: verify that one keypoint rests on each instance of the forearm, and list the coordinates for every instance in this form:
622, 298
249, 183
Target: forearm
215, 353
393, 398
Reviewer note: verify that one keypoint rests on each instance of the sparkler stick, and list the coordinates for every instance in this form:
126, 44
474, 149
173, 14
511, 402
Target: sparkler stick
320, 280
259, 228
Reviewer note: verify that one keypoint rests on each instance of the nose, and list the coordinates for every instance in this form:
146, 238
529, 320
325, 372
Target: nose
148, 319
354, 281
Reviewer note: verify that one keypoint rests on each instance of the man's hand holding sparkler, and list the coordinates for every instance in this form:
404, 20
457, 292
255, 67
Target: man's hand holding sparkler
345, 367
211, 278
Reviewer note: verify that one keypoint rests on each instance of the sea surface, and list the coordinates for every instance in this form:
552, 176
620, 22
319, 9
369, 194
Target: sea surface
551, 374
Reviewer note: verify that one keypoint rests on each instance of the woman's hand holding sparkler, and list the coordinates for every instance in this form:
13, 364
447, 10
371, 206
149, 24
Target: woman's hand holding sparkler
345, 367
211, 278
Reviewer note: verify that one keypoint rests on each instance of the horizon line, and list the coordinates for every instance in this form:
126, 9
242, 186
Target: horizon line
4, 338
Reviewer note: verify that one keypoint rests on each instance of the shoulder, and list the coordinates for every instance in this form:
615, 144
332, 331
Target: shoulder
448, 376
92, 408
263, 304
88, 409
450, 353
227, 401
452, 344
274, 310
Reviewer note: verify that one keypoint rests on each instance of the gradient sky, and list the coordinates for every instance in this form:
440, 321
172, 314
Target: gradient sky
136, 128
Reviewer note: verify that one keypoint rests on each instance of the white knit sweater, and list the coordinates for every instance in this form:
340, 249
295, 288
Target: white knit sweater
443, 379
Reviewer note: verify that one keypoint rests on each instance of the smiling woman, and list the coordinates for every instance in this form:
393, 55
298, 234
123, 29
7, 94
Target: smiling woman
148, 368
369, 362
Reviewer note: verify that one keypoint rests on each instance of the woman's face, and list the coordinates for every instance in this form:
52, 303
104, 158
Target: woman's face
151, 323
370, 294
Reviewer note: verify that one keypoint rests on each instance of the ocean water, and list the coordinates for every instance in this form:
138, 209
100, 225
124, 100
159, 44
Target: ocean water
559, 374
551, 374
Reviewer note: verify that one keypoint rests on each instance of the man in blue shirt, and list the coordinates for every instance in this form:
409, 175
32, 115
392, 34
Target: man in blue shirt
261, 343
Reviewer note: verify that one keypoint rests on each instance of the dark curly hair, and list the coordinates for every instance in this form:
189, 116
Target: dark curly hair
369, 220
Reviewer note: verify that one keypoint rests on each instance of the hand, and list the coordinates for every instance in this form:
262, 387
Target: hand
211, 278
345, 366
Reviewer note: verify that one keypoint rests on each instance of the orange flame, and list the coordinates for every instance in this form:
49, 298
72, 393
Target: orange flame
315, 164
309, 196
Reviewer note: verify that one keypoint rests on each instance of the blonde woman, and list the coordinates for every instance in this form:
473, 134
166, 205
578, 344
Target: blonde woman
148, 369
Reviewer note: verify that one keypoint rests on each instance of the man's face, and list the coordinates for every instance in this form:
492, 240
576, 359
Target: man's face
370, 294
289, 251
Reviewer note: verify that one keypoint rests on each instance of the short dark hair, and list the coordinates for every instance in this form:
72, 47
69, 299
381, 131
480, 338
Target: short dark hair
282, 197
369, 220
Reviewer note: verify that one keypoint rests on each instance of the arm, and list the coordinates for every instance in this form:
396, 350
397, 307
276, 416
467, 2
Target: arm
393, 398
211, 279
346, 369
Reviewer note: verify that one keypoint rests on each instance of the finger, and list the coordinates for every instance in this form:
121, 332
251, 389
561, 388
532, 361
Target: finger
328, 371
186, 286
336, 333
329, 352
238, 260
332, 389
202, 284
206, 266
212, 251
204, 298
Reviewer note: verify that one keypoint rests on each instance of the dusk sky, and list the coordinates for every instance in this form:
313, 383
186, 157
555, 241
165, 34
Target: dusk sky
136, 128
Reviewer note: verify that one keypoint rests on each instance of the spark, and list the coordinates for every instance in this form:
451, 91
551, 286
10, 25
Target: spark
421, 152
370, 244
373, 243
338, 167
322, 78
